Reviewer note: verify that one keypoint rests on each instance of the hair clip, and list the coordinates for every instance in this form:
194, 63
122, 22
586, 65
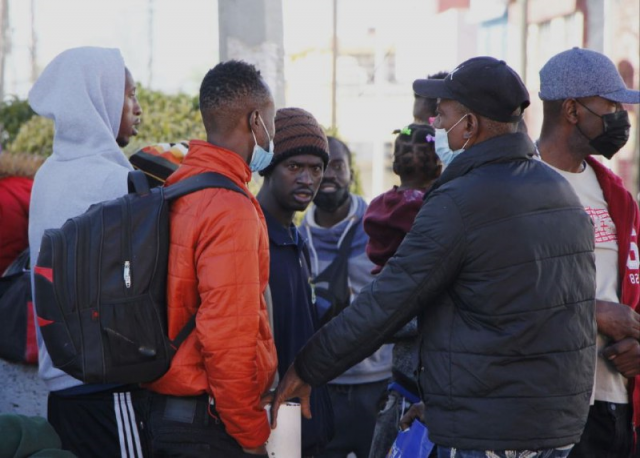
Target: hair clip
405, 131
430, 138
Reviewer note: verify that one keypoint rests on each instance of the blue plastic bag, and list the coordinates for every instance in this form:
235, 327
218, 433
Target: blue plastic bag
412, 443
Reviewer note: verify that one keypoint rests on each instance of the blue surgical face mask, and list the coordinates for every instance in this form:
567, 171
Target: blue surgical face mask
443, 150
260, 159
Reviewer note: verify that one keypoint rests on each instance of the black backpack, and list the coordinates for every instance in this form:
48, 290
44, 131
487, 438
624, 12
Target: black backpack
100, 285
336, 295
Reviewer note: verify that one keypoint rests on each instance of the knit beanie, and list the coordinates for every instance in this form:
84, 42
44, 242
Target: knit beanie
297, 132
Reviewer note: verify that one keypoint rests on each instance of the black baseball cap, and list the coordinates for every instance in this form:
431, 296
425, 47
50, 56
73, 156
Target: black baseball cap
485, 85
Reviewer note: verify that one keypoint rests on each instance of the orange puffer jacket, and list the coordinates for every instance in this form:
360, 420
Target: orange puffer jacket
219, 269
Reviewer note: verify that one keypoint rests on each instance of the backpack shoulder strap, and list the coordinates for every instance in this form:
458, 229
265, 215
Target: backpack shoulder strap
347, 241
184, 332
342, 257
187, 186
199, 182
137, 183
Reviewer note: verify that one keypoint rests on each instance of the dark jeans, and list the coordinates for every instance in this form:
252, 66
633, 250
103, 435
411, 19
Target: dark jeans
183, 427
607, 434
355, 409
448, 452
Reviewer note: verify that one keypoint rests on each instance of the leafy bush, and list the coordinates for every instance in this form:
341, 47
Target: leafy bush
35, 137
13, 114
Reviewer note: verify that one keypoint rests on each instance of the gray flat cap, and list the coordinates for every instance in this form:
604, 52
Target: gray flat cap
583, 73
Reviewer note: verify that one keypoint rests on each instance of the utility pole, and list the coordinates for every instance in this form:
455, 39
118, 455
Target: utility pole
4, 41
334, 69
33, 49
150, 44
524, 32
253, 31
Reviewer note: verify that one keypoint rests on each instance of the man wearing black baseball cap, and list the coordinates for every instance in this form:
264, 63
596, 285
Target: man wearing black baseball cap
480, 98
583, 95
505, 305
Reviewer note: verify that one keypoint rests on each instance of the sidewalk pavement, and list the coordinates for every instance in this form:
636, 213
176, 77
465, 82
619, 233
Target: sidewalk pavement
22, 391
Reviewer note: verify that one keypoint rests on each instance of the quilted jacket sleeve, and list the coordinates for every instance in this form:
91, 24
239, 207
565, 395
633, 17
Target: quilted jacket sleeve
426, 263
231, 324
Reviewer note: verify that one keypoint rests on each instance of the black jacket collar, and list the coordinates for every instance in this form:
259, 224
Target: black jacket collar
505, 148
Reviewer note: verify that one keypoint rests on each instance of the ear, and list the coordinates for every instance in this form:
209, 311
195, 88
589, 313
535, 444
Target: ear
471, 126
569, 111
254, 120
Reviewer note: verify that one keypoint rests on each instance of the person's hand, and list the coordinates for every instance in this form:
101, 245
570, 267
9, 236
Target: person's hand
625, 355
262, 450
415, 411
617, 321
266, 398
291, 386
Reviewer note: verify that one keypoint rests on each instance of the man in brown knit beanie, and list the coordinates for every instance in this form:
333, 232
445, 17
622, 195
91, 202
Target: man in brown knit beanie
297, 132
291, 182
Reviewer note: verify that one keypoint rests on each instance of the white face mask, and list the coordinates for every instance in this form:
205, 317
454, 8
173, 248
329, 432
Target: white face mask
443, 150
260, 159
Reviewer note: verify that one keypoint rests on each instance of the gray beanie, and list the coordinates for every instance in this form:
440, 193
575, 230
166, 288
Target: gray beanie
583, 73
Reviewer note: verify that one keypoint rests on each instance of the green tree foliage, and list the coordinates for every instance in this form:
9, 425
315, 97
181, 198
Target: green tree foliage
165, 118
13, 114
35, 137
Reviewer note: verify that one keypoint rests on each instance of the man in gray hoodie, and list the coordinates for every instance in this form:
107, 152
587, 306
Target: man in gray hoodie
91, 97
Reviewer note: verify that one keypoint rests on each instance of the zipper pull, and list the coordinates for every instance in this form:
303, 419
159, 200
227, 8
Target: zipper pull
313, 290
127, 274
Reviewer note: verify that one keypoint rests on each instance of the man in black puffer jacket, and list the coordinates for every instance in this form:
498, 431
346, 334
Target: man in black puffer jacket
499, 268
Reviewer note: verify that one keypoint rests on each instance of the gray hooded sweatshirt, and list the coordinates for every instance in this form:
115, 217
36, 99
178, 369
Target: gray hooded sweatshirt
324, 244
82, 90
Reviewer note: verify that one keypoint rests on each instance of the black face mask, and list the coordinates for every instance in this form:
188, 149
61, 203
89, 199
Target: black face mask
615, 133
330, 202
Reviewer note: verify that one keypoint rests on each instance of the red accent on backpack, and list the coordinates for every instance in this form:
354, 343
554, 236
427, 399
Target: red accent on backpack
42, 322
31, 350
45, 272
